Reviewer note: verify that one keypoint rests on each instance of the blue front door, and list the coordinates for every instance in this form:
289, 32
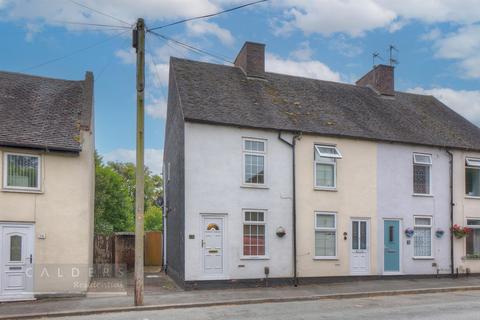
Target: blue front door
392, 246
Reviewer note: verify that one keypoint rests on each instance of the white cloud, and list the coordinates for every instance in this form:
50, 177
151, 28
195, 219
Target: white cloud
433, 34
158, 73
157, 108
126, 56
309, 69
304, 52
326, 17
201, 27
356, 17
463, 46
432, 11
53, 11
345, 47
163, 53
465, 102
32, 29
153, 158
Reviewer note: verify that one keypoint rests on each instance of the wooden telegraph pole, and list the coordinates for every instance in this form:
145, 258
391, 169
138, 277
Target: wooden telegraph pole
139, 44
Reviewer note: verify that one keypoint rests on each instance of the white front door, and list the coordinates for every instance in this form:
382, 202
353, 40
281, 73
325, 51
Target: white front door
213, 245
360, 247
16, 261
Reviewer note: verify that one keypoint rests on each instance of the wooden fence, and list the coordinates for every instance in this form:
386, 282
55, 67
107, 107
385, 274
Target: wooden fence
117, 252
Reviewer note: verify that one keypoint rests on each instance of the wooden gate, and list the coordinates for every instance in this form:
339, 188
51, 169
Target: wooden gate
117, 251
103, 256
153, 248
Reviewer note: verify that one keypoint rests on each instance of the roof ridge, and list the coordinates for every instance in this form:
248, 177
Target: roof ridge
36, 76
351, 85
221, 94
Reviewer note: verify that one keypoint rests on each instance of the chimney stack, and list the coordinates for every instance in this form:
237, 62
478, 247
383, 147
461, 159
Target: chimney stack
380, 78
251, 59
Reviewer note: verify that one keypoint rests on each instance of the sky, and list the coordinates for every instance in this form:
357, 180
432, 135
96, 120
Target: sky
437, 41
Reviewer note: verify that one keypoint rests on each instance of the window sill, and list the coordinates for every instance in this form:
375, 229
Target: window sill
472, 197
423, 258
474, 258
422, 195
252, 186
325, 189
326, 258
14, 190
254, 258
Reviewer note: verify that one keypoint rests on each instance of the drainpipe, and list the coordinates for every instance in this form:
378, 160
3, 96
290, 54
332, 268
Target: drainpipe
294, 202
452, 204
164, 222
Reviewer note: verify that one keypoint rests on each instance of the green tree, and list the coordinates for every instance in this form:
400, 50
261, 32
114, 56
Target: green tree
153, 219
113, 202
153, 182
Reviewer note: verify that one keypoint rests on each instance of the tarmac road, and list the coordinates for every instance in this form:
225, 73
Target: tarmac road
438, 306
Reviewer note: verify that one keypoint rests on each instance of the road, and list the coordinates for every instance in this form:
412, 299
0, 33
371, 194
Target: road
459, 305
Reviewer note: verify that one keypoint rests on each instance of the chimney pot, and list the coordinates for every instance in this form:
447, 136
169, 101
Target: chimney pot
251, 59
380, 78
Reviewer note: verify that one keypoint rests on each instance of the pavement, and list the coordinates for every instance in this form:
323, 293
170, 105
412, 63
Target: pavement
436, 306
162, 294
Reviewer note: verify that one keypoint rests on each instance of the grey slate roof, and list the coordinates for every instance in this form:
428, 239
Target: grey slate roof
224, 95
44, 113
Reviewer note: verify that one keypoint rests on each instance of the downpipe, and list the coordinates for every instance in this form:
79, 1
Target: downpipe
452, 204
292, 144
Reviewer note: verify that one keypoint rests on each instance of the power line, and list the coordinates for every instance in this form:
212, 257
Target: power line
111, 26
107, 65
101, 13
74, 52
208, 15
190, 47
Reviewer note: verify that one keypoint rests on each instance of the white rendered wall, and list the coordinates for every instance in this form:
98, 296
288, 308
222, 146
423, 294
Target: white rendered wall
213, 184
396, 200
465, 207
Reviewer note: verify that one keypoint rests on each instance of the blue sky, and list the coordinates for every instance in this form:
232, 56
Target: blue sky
438, 42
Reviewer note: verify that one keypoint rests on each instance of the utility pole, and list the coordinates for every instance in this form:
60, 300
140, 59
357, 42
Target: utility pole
139, 44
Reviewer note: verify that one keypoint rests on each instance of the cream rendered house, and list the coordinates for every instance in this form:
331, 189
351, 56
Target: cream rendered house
47, 186
466, 211
356, 176
378, 198
333, 202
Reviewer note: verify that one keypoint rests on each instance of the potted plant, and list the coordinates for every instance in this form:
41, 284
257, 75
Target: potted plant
460, 232
439, 233
409, 232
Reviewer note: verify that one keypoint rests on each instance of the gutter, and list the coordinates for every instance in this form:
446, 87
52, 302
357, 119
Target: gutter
74, 151
452, 204
294, 201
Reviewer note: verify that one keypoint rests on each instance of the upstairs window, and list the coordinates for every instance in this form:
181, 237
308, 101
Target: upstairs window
326, 166
254, 154
21, 171
422, 238
472, 177
422, 164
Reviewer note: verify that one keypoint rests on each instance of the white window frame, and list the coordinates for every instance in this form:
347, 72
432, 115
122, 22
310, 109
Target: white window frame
334, 214
38, 188
431, 235
471, 163
428, 164
258, 223
263, 154
335, 156
472, 227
